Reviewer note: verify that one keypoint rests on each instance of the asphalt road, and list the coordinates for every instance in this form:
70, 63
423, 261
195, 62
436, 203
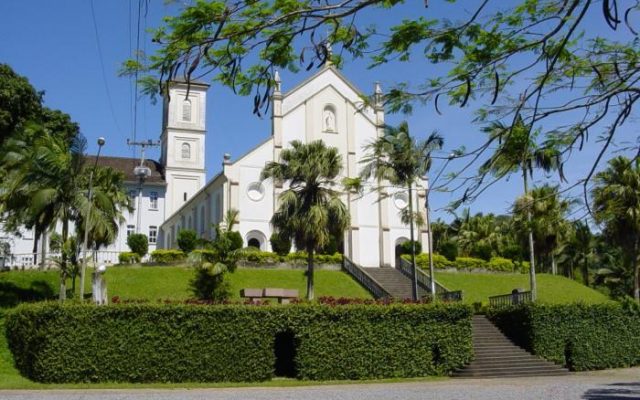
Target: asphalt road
603, 385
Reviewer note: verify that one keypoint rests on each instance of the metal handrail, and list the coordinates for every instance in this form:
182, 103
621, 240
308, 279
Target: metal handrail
424, 280
366, 280
506, 300
424, 283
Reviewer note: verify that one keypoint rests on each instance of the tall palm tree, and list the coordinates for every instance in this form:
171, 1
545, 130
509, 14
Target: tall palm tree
398, 158
518, 152
616, 202
548, 223
310, 211
51, 188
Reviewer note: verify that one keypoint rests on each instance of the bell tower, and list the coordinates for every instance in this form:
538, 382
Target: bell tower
183, 141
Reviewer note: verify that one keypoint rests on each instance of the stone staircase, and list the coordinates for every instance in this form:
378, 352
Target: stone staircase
393, 281
497, 357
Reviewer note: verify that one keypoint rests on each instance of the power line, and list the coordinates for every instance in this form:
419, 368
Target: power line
104, 75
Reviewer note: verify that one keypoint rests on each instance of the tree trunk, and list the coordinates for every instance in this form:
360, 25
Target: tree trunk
585, 271
431, 268
414, 272
43, 249
554, 266
636, 276
36, 237
532, 262
310, 293
63, 275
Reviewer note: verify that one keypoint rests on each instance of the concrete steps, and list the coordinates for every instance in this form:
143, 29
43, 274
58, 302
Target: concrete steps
393, 281
496, 356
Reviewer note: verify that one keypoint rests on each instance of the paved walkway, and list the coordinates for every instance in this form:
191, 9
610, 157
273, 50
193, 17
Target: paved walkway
603, 385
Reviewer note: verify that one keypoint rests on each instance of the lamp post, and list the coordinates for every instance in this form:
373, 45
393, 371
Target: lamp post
428, 215
85, 244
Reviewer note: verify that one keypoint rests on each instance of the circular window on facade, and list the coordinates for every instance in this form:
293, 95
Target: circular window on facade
255, 191
401, 200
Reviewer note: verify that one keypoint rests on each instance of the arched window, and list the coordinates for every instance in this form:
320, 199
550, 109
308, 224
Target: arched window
253, 242
186, 110
186, 151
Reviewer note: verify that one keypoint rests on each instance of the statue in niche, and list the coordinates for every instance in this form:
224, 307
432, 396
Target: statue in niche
329, 120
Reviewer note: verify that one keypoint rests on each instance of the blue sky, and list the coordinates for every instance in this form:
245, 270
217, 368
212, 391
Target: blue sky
53, 44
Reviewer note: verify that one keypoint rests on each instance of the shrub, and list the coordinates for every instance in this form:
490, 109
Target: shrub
470, 263
260, 257
422, 261
128, 258
406, 247
236, 240
196, 343
167, 256
187, 240
449, 249
579, 336
301, 257
280, 244
208, 284
500, 264
138, 243
207, 255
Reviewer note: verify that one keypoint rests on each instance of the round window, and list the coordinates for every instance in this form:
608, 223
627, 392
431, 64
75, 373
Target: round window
255, 191
401, 200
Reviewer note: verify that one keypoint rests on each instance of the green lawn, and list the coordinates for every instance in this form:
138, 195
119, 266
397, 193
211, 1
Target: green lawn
153, 283
551, 289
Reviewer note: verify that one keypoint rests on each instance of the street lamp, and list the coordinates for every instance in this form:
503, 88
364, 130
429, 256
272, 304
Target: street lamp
83, 270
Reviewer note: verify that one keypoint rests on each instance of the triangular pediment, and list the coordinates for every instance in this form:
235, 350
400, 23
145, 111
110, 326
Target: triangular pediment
328, 77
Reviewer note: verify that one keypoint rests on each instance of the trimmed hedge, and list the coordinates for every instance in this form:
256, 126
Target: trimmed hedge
182, 343
579, 336
128, 257
167, 256
298, 258
496, 264
469, 263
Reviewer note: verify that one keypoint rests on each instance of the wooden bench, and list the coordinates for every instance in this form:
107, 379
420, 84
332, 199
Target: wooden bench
284, 296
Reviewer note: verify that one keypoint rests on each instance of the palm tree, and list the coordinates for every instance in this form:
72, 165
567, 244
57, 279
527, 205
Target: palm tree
548, 223
51, 188
396, 157
616, 202
518, 152
310, 211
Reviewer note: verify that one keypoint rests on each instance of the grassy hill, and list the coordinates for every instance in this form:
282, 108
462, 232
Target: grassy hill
551, 288
154, 283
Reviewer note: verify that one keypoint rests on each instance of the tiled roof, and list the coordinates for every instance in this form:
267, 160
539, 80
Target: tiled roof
126, 165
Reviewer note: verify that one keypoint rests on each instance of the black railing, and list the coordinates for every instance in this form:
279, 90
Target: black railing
364, 279
424, 280
510, 299
424, 284
448, 297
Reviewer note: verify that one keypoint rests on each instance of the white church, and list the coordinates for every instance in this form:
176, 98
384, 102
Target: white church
177, 196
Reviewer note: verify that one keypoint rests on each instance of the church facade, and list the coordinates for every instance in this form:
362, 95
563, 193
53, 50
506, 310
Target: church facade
325, 107
177, 196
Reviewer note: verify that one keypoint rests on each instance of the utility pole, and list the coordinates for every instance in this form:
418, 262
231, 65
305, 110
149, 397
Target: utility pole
142, 173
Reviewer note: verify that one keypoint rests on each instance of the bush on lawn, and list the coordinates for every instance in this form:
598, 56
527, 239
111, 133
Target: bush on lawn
189, 343
128, 257
167, 256
406, 247
500, 264
187, 240
422, 261
280, 244
470, 263
138, 243
579, 336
